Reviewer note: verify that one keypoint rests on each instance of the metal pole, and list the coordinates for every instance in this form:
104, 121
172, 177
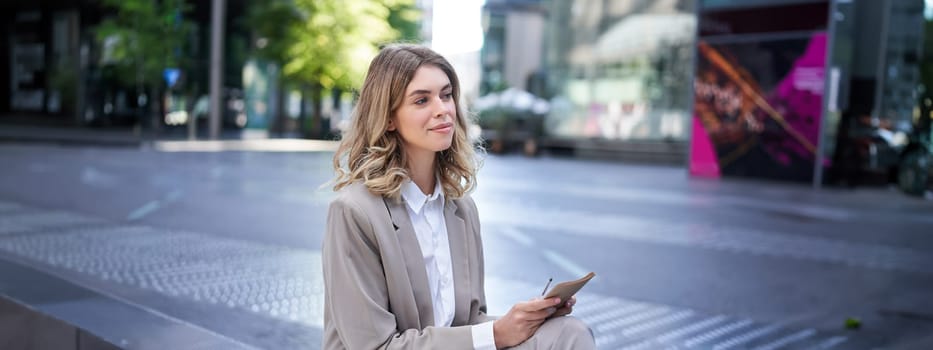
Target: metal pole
881, 72
830, 89
217, 67
691, 92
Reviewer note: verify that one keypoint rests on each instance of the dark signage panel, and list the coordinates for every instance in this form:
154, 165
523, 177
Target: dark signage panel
772, 19
758, 99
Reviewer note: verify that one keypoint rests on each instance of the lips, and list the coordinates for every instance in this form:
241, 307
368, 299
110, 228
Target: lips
443, 127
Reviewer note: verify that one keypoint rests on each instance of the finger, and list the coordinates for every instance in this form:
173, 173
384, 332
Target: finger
539, 315
540, 304
534, 316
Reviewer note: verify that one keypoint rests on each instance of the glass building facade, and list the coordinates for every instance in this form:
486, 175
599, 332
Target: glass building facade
771, 85
619, 70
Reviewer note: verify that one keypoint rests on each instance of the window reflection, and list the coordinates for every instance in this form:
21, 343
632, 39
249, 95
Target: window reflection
619, 70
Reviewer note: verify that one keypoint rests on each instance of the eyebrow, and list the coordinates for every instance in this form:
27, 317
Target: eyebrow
422, 92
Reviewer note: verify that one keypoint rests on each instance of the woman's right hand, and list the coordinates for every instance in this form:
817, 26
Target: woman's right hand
521, 322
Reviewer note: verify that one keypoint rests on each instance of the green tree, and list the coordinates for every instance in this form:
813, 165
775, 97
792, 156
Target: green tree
271, 23
326, 45
141, 39
405, 18
336, 40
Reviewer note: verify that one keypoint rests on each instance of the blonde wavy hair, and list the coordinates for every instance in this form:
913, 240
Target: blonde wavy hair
371, 154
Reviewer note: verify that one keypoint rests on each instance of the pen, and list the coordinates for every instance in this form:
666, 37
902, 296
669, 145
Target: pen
546, 285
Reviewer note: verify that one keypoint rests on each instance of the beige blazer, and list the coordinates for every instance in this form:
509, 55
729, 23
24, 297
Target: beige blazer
376, 294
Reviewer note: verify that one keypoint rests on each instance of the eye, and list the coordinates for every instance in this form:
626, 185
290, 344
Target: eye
421, 101
447, 96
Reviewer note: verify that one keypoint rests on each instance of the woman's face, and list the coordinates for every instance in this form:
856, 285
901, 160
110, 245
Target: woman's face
427, 114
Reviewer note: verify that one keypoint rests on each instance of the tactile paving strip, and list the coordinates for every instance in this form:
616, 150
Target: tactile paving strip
633, 325
281, 282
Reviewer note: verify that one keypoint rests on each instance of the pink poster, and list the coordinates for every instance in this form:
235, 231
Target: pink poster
757, 108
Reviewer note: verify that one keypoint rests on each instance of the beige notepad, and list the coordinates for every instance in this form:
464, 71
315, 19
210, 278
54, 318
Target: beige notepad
567, 289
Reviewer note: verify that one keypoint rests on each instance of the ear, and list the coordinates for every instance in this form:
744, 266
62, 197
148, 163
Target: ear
391, 126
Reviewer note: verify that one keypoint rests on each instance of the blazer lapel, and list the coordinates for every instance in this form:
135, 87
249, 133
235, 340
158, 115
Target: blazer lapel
459, 259
414, 260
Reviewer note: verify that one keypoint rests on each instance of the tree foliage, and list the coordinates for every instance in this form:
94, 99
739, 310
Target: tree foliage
334, 40
329, 42
405, 18
144, 37
272, 21
326, 45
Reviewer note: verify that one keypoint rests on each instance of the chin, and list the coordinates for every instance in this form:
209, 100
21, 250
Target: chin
444, 144
443, 147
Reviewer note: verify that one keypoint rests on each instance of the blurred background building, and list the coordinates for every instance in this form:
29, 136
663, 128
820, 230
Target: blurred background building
613, 72
61, 72
102, 63
622, 66
813, 91
513, 43
809, 91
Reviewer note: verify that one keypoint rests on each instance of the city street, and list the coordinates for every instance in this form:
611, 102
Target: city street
229, 243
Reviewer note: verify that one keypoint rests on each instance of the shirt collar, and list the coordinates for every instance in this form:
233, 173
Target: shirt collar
416, 199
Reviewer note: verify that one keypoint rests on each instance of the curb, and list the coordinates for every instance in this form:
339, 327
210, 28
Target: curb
66, 136
41, 311
22, 327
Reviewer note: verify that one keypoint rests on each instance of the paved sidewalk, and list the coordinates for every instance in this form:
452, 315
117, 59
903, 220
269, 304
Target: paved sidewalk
70, 135
169, 141
148, 281
917, 344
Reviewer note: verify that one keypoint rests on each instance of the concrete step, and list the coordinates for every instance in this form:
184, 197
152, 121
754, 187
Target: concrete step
42, 311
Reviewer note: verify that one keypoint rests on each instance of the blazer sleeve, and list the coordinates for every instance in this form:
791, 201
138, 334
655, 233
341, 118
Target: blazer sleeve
357, 299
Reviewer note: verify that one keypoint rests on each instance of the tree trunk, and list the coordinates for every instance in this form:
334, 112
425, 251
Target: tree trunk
303, 111
155, 111
279, 117
335, 115
315, 129
191, 124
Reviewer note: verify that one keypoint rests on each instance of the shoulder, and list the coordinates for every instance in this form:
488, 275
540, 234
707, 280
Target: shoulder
354, 210
356, 198
357, 195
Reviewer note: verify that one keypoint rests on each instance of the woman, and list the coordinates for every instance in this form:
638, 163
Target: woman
402, 255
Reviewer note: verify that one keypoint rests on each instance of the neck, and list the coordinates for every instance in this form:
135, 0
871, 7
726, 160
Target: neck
421, 170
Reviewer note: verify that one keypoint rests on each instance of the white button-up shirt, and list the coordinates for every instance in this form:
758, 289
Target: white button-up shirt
427, 216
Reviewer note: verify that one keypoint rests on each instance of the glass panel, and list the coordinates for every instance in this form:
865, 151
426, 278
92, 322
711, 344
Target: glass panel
618, 70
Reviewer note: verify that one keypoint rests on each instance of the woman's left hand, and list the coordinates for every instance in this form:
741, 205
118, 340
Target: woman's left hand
567, 308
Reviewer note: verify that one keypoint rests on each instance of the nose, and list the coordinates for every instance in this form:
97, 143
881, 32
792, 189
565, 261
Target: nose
441, 107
